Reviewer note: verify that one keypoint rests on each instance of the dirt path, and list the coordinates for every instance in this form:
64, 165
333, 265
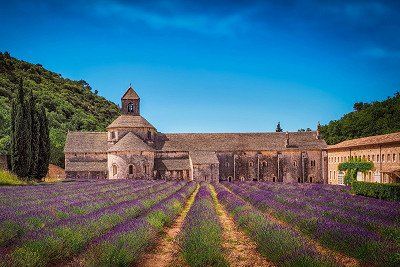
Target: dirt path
167, 251
340, 258
239, 249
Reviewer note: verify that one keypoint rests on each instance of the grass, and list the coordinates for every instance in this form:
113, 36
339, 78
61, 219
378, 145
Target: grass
7, 178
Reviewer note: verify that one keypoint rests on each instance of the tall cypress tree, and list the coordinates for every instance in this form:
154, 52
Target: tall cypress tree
44, 144
35, 136
21, 154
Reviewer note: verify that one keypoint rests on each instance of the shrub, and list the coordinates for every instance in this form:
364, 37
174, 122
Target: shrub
377, 190
7, 178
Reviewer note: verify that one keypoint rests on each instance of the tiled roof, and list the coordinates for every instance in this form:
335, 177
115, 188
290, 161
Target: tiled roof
203, 157
237, 141
130, 121
130, 142
130, 94
371, 140
86, 166
171, 164
86, 142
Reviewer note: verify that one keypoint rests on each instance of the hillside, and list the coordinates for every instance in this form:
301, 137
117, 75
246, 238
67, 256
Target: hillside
380, 117
71, 105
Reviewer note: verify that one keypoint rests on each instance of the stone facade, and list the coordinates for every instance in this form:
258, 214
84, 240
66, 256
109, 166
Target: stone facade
132, 148
382, 150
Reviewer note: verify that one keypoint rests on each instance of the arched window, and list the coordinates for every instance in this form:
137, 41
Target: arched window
273, 178
265, 164
131, 107
230, 178
294, 163
145, 169
130, 169
114, 169
227, 164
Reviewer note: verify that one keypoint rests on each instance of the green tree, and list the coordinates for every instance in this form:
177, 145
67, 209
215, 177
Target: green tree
35, 137
279, 128
44, 144
21, 143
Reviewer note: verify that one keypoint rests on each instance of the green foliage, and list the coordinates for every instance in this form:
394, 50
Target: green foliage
42, 167
70, 105
367, 119
377, 190
352, 167
7, 178
279, 128
21, 155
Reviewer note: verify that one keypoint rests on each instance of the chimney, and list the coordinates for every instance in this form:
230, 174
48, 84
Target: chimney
287, 140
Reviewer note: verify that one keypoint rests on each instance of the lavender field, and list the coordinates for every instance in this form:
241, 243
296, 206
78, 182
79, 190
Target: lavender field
158, 223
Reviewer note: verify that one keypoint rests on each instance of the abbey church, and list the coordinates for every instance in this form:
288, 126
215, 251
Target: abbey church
132, 148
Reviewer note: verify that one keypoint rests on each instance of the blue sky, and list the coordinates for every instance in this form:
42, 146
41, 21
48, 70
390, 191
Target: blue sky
217, 66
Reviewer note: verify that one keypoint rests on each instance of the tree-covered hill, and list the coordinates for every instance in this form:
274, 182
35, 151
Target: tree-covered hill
71, 105
367, 119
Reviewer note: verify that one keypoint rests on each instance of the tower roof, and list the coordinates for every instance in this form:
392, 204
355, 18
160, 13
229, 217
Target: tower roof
130, 94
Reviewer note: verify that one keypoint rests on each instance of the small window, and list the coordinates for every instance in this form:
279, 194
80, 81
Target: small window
130, 169
131, 107
373, 157
294, 163
149, 137
251, 164
227, 164
265, 164
114, 169
383, 158
388, 157
394, 157
112, 135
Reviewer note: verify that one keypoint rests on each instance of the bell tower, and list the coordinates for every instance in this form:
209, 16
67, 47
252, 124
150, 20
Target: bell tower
130, 102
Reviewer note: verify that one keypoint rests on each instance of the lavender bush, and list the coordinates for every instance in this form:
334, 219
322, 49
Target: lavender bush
201, 234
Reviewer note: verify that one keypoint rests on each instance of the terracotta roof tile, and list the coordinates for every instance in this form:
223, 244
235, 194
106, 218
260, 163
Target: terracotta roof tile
86, 142
371, 140
171, 164
130, 94
237, 141
130, 121
203, 157
130, 142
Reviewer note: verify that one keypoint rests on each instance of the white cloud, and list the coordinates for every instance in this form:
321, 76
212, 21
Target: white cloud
197, 22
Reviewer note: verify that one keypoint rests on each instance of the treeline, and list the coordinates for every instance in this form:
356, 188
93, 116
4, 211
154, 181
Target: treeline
367, 119
30, 141
70, 105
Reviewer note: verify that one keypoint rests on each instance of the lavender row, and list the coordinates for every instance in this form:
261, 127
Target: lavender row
77, 203
124, 245
279, 244
385, 225
349, 239
68, 238
201, 237
40, 220
341, 198
53, 197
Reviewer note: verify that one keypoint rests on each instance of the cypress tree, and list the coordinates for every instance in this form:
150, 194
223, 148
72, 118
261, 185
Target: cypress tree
44, 144
21, 154
35, 136
279, 128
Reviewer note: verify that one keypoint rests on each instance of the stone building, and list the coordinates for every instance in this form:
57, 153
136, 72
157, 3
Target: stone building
382, 150
132, 148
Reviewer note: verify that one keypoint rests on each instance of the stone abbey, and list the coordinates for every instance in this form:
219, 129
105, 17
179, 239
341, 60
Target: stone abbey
132, 148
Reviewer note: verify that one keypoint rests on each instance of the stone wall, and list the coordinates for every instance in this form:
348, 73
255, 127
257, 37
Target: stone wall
290, 166
96, 175
142, 165
206, 172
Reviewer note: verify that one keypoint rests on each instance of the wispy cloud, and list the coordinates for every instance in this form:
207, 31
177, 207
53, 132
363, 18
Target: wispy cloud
379, 53
205, 23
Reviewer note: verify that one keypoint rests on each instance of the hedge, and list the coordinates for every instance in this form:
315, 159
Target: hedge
377, 190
